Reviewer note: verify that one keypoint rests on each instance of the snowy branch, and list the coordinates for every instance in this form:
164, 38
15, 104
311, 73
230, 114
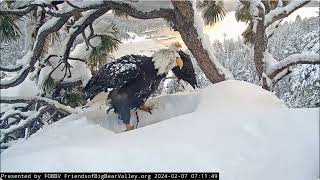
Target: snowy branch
273, 29
22, 116
282, 12
50, 26
294, 59
80, 26
21, 12
56, 104
11, 68
23, 123
63, 85
132, 11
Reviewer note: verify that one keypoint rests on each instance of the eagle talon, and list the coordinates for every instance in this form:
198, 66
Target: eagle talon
129, 127
147, 108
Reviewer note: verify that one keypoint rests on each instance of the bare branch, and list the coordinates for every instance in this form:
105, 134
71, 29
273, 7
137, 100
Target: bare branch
77, 59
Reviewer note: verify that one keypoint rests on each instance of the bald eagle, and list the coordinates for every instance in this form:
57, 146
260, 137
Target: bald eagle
131, 80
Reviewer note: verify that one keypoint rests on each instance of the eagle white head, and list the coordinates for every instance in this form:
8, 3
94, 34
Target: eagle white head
166, 59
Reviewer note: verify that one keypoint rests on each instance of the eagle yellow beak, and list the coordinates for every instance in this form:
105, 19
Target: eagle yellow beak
179, 62
178, 45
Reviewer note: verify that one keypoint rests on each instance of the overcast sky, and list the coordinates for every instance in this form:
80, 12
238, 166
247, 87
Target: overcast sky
231, 4
233, 29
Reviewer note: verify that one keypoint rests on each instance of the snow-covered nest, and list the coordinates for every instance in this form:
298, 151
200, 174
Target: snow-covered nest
233, 127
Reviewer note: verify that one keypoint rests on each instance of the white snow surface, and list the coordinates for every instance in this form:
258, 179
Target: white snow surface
233, 127
26, 88
149, 5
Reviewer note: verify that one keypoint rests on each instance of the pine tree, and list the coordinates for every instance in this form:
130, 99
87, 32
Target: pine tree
212, 11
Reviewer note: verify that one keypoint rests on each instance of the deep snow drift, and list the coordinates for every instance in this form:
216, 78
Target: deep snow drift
232, 127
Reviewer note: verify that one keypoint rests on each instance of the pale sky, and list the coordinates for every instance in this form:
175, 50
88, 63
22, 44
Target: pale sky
233, 29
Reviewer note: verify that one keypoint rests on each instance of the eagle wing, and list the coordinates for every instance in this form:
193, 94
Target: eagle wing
113, 76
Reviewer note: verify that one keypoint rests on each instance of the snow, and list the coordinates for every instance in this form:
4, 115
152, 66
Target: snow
197, 132
7, 107
269, 60
238, 147
270, 63
79, 70
149, 5
86, 3
233, 127
81, 51
254, 11
26, 88
238, 96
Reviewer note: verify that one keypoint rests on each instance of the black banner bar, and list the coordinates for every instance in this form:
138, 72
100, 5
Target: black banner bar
103, 176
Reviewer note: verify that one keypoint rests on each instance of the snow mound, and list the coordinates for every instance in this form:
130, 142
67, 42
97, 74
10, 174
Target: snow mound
238, 145
233, 95
207, 130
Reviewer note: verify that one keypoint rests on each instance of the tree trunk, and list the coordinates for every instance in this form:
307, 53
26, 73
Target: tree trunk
260, 44
184, 23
